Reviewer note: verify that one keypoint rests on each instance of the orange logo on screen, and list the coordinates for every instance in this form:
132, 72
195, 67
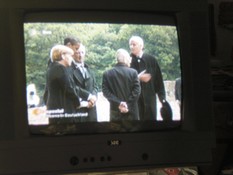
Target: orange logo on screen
172, 171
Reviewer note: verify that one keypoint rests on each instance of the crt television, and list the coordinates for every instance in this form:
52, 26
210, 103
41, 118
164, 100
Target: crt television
28, 144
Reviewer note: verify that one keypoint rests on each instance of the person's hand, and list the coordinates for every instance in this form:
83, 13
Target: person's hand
92, 98
123, 107
83, 104
145, 77
92, 101
90, 104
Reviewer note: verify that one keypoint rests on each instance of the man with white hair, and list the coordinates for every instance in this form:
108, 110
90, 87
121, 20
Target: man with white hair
122, 88
150, 76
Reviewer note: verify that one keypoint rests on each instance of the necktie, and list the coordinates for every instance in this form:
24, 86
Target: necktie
83, 70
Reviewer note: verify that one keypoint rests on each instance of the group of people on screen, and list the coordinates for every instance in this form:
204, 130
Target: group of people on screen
130, 86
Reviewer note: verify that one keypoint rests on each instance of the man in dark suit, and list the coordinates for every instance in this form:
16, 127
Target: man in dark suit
85, 81
122, 88
150, 79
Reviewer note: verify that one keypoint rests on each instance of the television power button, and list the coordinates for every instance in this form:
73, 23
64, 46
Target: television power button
145, 156
74, 161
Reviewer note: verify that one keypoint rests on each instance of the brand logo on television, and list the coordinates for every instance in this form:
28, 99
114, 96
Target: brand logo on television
114, 142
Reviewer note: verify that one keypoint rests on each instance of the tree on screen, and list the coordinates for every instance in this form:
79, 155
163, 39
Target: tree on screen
101, 41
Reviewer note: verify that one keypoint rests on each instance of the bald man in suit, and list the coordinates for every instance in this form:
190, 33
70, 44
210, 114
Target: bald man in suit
122, 88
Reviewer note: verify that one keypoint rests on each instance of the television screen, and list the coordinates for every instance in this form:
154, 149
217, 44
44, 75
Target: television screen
95, 45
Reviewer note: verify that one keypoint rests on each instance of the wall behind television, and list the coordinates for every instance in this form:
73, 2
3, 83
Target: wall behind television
222, 32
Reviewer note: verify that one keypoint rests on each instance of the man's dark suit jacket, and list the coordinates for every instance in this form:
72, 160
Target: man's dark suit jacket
147, 100
119, 84
61, 90
86, 86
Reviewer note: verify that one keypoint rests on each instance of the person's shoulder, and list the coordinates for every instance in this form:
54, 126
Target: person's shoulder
145, 54
123, 69
89, 68
56, 69
131, 70
150, 59
54, 65
86, 65
149, 56
106, 72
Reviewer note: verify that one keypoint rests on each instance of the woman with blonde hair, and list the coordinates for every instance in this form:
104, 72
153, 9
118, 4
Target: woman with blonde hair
63, 97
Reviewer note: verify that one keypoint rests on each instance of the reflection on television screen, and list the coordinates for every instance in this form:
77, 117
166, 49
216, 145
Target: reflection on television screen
96, 46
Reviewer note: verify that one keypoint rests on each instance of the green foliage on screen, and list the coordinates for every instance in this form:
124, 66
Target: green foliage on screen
101, 41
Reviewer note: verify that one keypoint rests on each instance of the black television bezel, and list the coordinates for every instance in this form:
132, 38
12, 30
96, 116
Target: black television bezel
119, 151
